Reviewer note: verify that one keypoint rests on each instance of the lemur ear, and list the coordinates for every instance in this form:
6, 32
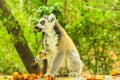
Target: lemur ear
51, 17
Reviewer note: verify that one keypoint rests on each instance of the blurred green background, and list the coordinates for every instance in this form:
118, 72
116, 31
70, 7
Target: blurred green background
93, 25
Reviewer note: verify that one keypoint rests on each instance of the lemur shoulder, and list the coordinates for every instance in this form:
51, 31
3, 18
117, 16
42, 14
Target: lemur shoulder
60, 51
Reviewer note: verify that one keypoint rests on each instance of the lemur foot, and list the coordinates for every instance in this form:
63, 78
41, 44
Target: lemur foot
61, 75
74, 74
57, 75
49, 74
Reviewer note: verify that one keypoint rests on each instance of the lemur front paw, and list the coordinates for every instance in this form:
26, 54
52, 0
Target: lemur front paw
40, 56
37, 59
49, 74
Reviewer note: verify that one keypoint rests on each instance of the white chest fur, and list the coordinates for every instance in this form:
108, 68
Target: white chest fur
51, 41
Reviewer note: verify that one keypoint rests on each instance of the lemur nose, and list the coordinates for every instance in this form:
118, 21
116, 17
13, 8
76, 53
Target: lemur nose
36, 27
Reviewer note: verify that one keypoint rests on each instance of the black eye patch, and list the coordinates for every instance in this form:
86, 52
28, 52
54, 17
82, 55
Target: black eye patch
42, 22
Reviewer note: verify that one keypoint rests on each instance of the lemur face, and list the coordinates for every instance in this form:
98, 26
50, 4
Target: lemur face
46, 23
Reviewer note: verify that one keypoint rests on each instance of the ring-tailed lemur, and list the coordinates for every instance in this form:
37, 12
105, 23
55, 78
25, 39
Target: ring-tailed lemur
59, 49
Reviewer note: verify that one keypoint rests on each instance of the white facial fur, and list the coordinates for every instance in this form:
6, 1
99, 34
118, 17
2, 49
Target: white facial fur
46, 23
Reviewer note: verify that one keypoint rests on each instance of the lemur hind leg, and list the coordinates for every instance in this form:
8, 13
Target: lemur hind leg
75, 64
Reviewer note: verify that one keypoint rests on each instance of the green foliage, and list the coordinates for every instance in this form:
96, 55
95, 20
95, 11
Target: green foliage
55, 8
93, 25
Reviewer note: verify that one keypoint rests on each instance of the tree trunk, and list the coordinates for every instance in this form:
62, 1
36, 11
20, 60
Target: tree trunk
20, 43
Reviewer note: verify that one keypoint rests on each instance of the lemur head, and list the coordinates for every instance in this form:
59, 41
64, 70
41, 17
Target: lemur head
46, 23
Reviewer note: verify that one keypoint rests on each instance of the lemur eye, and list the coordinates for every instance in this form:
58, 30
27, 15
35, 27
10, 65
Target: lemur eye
42, 22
